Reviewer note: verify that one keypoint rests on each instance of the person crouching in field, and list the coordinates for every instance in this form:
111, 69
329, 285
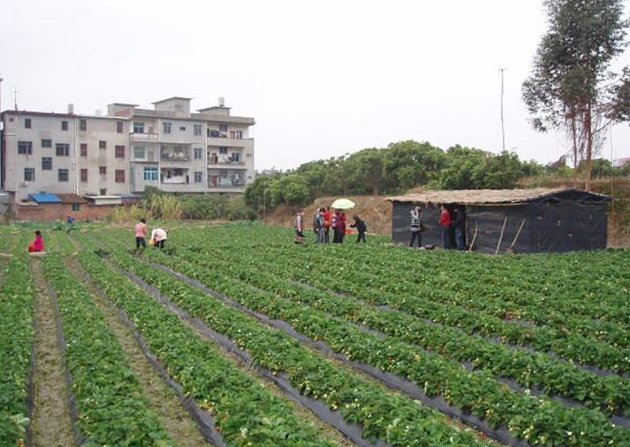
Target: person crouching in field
37, 245
141, 234
361, 227
158, 236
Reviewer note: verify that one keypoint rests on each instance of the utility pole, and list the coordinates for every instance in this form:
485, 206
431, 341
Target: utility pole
502, 70
15, 93
1, 93
1, 137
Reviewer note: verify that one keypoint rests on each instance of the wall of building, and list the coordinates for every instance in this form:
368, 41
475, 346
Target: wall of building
546, 227
59, 211
106, 130
42, 128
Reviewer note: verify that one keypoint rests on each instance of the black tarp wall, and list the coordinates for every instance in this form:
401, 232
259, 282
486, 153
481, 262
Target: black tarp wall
557, 225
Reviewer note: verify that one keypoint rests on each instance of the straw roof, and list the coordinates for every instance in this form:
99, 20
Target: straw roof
490, 196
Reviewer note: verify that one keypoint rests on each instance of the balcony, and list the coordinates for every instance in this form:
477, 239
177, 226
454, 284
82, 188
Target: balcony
224, 160
174, 153
174, 176
143, 137
224, 179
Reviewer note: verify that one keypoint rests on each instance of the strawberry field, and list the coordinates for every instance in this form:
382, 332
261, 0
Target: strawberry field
234, 336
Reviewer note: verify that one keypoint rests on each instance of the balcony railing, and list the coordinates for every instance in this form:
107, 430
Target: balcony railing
225, 185
149, 137
168, 156
224, 161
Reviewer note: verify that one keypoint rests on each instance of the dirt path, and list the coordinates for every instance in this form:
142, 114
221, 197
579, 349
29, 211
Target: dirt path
162, 398
51, 423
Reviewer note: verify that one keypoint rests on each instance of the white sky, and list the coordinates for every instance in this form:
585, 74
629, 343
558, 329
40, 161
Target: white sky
321, 78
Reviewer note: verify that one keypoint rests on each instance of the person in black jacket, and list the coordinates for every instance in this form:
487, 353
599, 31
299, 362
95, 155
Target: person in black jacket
459, 224
361, 228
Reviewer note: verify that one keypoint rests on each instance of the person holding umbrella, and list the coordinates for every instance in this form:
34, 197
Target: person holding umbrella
338, 220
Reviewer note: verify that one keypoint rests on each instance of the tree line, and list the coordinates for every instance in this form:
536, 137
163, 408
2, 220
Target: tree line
391, 170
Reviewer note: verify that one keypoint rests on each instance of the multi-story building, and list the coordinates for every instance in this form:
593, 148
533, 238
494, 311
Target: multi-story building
176, 150
167, 147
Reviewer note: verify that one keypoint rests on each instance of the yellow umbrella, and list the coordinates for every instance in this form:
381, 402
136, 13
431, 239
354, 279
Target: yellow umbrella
342, 204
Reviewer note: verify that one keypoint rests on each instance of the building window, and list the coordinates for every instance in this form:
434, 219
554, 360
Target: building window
238, 135
197, 129
103, 191
138, 153
25, 147
120, 152
83, 149
235, 156
120, 176
27, 123
64, 125
198, 153
29, 174
182, 128
198, 177
102, 170
166, 127
46, 163
84, 175
76, 207
102, 144
62, 150
119, 126
223, 150
46, 143
138, 127
222, 127
82, 124
62, 175
150, 174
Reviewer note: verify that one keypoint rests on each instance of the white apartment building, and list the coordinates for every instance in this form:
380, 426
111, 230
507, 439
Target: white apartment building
167, 147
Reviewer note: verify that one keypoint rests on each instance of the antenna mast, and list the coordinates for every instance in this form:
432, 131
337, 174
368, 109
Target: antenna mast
502, 70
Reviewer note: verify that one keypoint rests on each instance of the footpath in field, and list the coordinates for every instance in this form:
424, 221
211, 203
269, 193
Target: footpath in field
51, 425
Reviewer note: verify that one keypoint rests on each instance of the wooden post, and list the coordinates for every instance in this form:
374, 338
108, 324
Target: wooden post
496, 252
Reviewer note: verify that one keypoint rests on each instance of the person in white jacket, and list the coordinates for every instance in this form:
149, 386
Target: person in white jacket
159, 237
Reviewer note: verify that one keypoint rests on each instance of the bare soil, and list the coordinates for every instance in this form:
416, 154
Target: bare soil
51, 426
374, 210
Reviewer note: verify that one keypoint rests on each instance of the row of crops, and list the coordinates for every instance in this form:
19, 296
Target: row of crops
384, 345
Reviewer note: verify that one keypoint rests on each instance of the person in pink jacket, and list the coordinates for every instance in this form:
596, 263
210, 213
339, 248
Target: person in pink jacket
141, 234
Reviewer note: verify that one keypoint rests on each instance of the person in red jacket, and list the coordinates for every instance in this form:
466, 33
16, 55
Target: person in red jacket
327, 222
445, 223
37, 244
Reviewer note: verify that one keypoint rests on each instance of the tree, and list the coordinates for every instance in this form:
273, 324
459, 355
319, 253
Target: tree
366, 167
571, 86
409, 163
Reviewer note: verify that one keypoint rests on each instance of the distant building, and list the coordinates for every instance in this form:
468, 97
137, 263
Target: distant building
122, 153
619, 162
179, 151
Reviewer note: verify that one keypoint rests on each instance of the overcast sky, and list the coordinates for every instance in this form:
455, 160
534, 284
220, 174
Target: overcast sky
321, 78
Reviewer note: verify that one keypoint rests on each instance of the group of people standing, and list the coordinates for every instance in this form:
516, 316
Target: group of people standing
158, 235
452, 221
324, 220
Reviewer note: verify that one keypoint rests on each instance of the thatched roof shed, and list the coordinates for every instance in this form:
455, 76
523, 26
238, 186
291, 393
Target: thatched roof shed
519, 220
